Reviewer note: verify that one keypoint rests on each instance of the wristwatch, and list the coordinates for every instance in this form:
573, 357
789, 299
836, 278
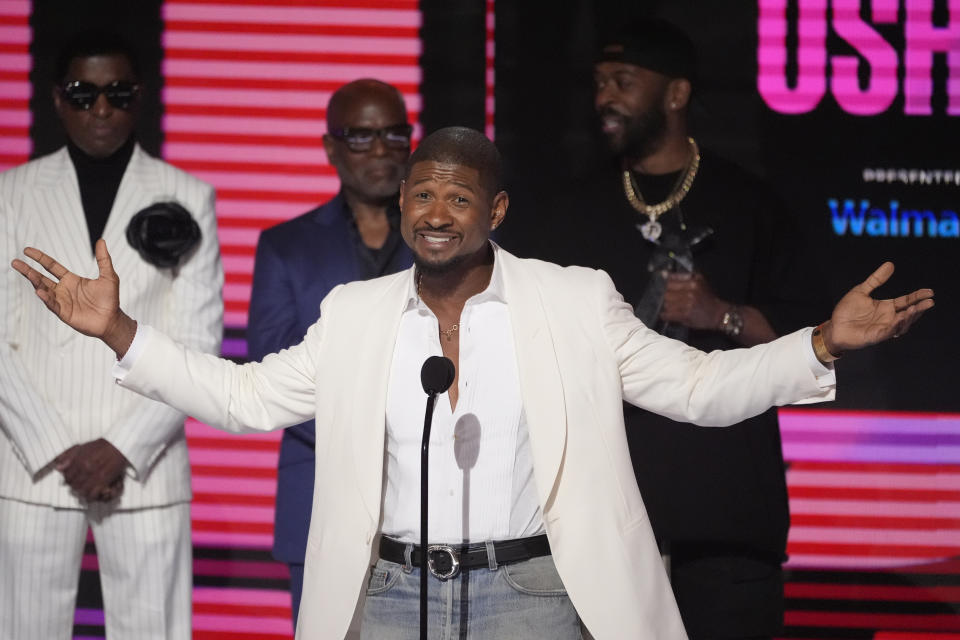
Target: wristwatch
732, 323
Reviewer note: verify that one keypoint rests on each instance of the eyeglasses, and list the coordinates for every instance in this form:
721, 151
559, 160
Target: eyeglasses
83, 95
361, 138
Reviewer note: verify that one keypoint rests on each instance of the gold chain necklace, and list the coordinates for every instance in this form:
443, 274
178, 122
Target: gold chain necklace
447, 333
651, 229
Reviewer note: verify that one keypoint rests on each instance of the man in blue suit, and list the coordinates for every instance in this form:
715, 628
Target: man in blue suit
354, 236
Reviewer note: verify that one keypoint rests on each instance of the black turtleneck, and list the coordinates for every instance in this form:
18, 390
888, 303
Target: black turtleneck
99, 180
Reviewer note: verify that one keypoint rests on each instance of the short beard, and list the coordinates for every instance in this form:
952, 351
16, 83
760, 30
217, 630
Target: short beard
438, 268
643, 134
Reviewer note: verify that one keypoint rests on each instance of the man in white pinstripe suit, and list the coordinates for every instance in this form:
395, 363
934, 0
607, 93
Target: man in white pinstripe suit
79, 451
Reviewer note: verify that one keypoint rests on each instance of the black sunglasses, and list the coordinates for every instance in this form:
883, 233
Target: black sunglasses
361, 138
83, 95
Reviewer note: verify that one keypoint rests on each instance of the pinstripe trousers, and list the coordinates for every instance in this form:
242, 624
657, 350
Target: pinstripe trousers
145, 570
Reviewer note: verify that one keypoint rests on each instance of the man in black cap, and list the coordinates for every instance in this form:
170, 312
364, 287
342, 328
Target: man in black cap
705, 254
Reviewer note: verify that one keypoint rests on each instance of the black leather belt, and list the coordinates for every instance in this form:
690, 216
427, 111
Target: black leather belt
446, 561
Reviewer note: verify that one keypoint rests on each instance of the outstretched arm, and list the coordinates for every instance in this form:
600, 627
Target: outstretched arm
859, 320
724, 387
91, 307
254, 397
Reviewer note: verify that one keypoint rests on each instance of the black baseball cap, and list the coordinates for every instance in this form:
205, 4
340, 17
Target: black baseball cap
653, 44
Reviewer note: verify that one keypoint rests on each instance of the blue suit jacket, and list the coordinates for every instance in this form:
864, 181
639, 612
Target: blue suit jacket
298, 262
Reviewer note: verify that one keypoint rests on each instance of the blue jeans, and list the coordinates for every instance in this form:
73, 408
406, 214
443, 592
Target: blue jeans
521, 600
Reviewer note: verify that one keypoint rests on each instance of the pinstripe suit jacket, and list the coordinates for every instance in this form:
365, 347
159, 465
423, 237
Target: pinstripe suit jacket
580, 352
53, 391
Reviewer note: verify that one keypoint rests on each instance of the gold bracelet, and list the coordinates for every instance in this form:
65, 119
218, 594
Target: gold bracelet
820, 347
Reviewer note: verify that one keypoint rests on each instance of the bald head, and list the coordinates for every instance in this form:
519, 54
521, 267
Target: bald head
464, 147
353, 96
368, 140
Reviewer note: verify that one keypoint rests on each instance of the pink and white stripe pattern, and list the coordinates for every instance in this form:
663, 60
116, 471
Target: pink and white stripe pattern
234, 480
246, 86
219, 614
15, 88
490, 102
872, 490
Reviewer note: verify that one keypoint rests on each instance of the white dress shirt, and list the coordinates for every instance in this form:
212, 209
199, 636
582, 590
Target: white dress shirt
481, 484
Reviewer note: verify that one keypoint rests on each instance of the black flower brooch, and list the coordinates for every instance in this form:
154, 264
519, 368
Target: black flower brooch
163, 234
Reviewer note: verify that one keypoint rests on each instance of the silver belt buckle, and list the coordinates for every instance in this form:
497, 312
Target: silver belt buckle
454, 560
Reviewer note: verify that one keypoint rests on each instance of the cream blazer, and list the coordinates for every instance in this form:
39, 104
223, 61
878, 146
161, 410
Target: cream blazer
52, 391
580, 351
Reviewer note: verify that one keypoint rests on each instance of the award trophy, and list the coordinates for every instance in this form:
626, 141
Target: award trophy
673, 252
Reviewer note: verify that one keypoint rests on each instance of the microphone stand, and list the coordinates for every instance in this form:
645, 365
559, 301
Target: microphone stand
424, 479
436, 376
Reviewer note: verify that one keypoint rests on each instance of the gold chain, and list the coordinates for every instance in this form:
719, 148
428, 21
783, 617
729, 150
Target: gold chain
448, 334
654, 211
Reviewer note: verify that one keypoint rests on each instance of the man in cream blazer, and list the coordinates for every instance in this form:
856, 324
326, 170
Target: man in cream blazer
579, 352
55, 405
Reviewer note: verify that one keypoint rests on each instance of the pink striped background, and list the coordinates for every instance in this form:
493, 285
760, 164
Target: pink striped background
872, 490
245, 91
15, 89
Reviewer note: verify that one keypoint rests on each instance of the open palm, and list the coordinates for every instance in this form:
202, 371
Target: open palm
89, 306
859, 320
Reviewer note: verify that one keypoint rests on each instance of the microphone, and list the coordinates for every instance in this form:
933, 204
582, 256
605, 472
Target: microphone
436, 376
